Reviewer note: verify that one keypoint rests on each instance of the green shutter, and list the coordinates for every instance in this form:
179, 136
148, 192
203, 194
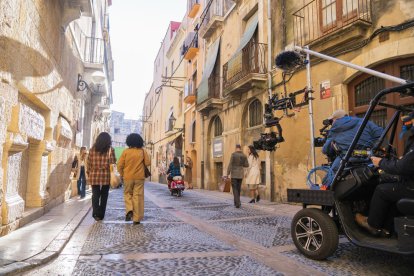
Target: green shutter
202, 90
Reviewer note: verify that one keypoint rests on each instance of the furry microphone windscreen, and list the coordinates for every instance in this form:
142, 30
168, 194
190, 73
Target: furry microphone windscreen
288, 60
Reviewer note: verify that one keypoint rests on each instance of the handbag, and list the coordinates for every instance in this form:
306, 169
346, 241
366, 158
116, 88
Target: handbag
147, 172
115, 176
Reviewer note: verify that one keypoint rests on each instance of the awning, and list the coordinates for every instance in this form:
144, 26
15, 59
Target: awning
249, 31
202, 90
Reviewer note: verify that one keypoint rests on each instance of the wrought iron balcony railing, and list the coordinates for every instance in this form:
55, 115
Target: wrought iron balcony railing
318, 19
213, 15
250, 60
190, 46
91, 49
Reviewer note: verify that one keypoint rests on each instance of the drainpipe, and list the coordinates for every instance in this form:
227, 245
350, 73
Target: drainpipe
202, 151
270, 156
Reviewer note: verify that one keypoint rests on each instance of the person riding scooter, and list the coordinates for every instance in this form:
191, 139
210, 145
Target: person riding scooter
388, 194
343, 131
174, 170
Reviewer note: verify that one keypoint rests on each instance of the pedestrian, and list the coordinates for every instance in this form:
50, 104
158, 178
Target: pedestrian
131, 166
100, 157
189, 172
238, 162
253, 174
80, 171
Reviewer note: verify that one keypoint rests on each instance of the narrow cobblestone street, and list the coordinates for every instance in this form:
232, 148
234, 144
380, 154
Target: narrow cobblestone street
203, 234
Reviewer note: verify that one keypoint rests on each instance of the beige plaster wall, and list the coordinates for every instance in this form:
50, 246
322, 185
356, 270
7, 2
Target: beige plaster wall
38, 68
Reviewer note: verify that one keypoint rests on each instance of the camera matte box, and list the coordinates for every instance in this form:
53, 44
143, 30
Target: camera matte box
311, 197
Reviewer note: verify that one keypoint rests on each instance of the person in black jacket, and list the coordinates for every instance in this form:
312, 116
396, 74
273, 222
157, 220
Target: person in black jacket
388, 194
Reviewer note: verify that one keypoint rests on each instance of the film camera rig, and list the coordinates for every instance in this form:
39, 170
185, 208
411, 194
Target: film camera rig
269, 140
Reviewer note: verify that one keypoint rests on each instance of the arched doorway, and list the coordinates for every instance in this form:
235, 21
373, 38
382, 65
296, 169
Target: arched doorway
363, 88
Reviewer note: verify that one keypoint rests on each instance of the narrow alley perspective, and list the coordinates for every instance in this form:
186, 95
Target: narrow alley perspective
201, 233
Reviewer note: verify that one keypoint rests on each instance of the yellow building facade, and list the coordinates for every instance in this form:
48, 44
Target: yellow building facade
234, 71
40, 108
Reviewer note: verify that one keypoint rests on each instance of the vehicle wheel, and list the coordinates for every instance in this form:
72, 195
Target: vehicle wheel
172, 192
314, 233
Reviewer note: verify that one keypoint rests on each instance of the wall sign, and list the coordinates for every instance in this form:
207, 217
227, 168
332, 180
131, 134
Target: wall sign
325, 89
218, 147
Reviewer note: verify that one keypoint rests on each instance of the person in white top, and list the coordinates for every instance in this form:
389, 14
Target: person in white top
253, 174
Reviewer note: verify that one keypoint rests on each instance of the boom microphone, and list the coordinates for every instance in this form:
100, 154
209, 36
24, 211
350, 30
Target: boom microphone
288, 60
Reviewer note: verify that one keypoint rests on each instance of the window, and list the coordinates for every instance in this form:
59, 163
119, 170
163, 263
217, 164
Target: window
255, 113
169, 122
172, 67
333, 12
218, 127
166, 71
365, 87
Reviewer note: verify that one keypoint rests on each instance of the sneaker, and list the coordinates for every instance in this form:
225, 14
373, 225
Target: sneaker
128, 216
252, 201
258, 198
137, 222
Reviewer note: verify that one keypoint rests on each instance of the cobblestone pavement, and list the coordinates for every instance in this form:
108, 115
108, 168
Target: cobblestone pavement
198, 234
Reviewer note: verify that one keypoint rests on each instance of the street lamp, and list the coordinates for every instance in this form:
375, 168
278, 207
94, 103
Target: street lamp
98, 78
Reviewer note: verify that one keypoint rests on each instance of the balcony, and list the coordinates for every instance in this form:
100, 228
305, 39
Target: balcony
91, 49
190, 46
213, 17
189, 92
209, 99
193, 8
331, 23
246, 69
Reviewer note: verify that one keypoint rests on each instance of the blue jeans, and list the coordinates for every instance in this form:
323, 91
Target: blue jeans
82, 182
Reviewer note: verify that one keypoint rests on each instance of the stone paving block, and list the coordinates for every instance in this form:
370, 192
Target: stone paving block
240, 266
128, 238
64, 235
152, 215
223, 212
350, 259
268, 231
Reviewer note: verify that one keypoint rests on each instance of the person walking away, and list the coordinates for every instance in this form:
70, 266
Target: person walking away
80, 172
253, 174
100, 157
235, 169
131, 168
189, 172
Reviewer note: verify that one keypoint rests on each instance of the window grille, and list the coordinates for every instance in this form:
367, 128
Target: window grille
367, 89
379, 117
218, 127
255, 113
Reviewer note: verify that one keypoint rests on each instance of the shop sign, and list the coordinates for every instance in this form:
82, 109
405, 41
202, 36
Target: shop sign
325, 89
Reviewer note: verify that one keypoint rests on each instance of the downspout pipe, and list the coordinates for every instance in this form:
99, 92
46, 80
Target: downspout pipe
270, 155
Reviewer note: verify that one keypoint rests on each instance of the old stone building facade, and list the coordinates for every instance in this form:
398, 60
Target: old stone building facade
238, 42
42, 113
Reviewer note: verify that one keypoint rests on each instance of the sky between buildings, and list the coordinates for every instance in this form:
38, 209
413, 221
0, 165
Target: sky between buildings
137, 28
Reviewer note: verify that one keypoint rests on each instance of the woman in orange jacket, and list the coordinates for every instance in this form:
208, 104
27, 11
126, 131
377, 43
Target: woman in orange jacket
131, 168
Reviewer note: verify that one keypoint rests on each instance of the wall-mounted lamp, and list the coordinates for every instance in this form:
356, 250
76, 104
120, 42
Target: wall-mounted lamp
172, 123
98, 78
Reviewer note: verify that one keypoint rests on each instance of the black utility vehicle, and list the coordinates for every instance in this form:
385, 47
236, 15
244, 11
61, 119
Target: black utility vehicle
326, 213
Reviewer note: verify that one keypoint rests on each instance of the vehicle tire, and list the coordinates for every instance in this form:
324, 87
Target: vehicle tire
179, 193
172, 192
314, 233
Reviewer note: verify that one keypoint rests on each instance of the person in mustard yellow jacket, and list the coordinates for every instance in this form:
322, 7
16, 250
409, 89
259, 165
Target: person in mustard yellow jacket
131, 168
